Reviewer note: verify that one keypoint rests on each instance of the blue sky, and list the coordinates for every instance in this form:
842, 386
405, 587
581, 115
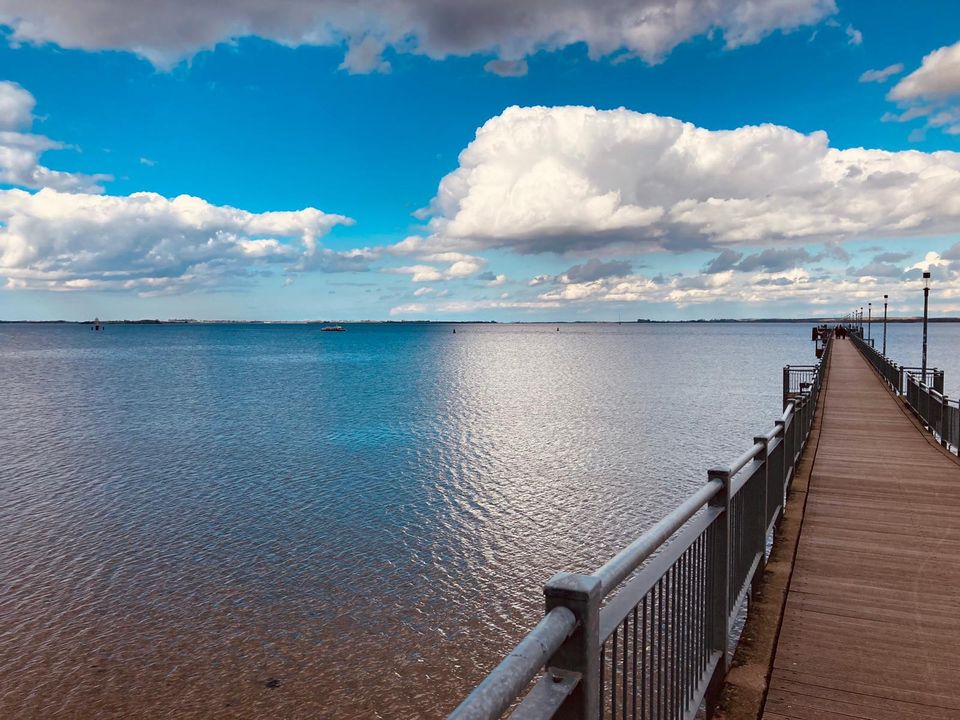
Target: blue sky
263, 126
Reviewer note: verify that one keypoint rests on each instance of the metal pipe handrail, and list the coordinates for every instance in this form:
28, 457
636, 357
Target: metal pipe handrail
621, 565
742, 461
501, 687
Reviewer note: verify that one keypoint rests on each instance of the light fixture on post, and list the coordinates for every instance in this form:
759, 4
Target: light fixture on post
869, 322
885, 325
926, 301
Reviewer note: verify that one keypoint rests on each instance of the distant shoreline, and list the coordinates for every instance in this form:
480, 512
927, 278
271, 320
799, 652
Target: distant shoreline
641, 321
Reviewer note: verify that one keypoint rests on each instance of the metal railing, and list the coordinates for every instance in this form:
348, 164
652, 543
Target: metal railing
796, 381
648, 634
939, 413
895, 375
923, 393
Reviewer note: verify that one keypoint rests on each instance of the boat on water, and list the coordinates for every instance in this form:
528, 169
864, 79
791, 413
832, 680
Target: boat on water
333, 328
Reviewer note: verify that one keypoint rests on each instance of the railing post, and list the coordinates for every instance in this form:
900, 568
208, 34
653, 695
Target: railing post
580, 653
805, 428
762, 519
938, 381
797, 429
719, 602
944, 409
783, 464
786, 385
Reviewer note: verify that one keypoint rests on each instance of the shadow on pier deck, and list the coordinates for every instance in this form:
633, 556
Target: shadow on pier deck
871, 625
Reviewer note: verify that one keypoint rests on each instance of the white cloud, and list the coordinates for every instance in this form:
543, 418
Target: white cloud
769, 288
150, 244
937, 77
761, 289
854, 36
491, 279
165, 32
16, 106
578, 179
879, 76
932, 90
930, 260
452, 307
459, 265
20, 151
417, 273
409, 309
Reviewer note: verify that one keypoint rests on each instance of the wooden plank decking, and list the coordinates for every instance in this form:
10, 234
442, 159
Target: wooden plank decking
871, 627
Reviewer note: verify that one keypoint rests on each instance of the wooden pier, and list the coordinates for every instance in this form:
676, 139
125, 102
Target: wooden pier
871, 624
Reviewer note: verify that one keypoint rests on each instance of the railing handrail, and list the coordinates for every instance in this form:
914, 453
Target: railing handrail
621, 565
505, 683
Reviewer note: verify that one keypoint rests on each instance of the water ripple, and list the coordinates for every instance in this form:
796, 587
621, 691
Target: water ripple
263, 521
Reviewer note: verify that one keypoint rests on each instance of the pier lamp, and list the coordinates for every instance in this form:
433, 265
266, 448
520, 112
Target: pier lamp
861, 322
926, 301
869, 320
885, 325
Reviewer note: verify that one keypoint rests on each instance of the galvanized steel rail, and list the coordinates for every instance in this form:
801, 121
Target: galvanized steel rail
923, 394
647, 635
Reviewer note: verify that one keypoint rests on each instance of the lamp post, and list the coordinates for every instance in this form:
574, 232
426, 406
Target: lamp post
869, 321
861, 322
884, 325
926, 300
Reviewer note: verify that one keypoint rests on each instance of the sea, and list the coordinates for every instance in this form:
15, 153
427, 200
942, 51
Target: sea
270, 520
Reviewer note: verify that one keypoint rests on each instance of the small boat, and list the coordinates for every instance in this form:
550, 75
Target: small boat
333, 328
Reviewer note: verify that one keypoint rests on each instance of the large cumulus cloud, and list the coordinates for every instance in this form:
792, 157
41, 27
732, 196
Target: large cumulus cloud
150, 244
69, 236
165, 32
562, 179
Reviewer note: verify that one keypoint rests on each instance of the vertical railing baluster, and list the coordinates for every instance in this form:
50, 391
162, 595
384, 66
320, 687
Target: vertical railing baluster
636, 650
613, 676
677, 660
646, 688
661, 661
626, 646
603, 677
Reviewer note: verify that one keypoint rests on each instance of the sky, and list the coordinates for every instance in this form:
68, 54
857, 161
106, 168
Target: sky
491, 160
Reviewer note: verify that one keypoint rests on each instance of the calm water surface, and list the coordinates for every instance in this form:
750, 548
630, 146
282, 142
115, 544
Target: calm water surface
272, 521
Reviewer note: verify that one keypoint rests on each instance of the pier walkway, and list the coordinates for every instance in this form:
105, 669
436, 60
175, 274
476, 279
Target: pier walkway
871, 626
